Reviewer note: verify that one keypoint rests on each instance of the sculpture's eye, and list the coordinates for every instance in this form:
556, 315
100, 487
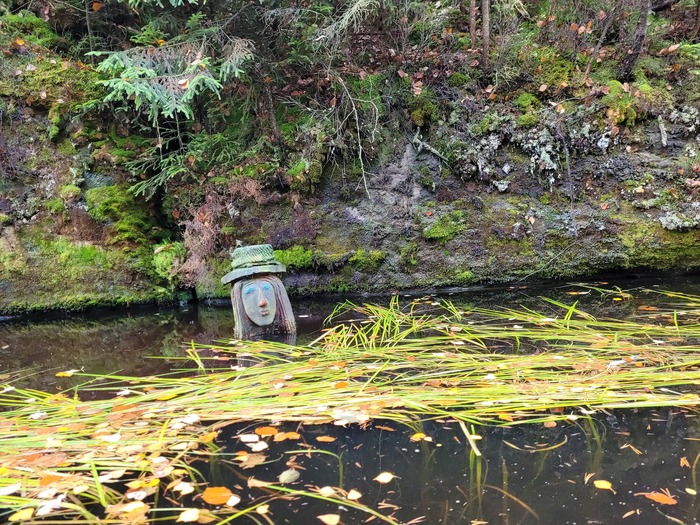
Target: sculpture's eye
267, 287
249, 290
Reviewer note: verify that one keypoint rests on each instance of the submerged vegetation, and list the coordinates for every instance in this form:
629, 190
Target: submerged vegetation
125, 449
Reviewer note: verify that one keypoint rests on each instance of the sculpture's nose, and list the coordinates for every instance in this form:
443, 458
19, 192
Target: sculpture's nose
263, 302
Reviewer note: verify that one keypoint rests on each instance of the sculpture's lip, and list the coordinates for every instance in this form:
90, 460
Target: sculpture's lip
264, 311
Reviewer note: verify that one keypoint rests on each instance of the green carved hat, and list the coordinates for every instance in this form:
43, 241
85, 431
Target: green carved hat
252, 260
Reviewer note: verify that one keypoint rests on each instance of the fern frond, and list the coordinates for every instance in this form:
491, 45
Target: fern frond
351, 19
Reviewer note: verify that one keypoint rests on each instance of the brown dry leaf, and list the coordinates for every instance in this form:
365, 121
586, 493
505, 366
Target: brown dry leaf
550, 424
216, 495
208, 437
659, 497
418, 436
282, 436
647, 308
325, 439
262, 509
329, 519
250, 460
384, 477
340, 384
253, 483
266, 431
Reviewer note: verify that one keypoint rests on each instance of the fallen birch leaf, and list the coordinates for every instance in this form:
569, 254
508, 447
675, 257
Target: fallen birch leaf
216, 495
603, 485
329, 519
384, 477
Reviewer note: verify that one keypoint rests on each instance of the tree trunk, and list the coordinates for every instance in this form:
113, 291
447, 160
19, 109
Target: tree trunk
639, 36
486, 32
696, 27
603, 34
472, 23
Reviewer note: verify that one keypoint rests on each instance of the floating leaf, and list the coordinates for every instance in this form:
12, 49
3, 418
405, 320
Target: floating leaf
659, 497
282, 436
692, 492
326, 491
216, 495
184, 488
329, 519
418, 436
384, 477
233, 501
266, 431
22, 515
353, 495
208, 437
257, 447
325, 439
250, 460
67, 373
188, 516
262, 509
249, 438
288, 476
603, 485
253, 483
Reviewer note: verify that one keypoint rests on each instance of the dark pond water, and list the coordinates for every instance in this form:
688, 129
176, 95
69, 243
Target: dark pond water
527, 474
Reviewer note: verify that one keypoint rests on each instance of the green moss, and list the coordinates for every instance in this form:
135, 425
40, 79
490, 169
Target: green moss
55, 206
30, 28
528, 120
115, 205
70, 192
551, 68
423, 110
65, 147
296, 258
445, 228
458, 79
55, 120
367, 92
526, 101
408, 256
464, 277
649, 245
367, 261
166, 257
305, 175
5, 219
489, 123
620, 104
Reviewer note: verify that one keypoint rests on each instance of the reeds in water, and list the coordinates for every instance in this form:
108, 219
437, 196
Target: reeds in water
129, 455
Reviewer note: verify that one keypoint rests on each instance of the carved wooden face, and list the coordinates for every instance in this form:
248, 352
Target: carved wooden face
259, 301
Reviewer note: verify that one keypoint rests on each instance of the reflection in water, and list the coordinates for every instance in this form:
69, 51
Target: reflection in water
526, 475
